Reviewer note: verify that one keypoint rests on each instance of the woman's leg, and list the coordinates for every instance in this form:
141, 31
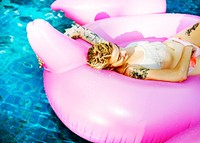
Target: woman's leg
191, 34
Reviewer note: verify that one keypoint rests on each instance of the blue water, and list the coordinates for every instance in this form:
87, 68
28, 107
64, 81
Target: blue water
25, 114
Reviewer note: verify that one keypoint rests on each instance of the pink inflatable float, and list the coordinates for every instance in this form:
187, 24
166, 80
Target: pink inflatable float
86, 11
191, 135
104, 106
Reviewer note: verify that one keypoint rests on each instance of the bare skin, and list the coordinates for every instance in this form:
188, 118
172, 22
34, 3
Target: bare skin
174, 67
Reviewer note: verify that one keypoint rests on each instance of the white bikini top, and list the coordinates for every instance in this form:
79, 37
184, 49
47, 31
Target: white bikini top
154, 53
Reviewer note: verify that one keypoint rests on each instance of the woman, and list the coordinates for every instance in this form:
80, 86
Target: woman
172, 60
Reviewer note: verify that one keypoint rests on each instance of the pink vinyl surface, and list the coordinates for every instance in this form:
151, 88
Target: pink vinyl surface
104, 106
87, 11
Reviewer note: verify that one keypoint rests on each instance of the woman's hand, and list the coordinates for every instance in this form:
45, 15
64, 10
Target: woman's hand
77, 31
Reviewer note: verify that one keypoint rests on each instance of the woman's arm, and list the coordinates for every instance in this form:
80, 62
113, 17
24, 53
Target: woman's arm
77, 31
178, 74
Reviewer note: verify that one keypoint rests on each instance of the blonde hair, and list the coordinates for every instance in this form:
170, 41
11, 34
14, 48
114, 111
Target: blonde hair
99, 55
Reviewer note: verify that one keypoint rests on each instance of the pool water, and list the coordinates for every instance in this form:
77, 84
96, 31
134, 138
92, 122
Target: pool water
25, 114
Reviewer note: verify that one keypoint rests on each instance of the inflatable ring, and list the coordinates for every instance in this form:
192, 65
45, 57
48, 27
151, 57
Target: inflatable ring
87, 11
104, 106
190, 135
